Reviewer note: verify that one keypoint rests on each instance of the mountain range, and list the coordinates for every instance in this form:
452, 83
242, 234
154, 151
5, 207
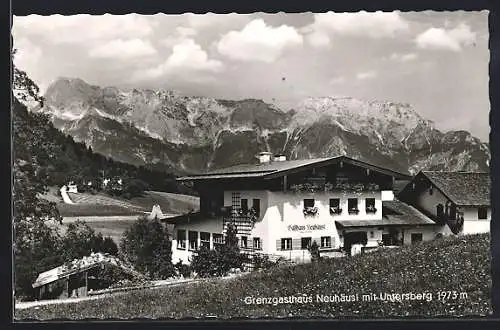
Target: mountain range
196, 134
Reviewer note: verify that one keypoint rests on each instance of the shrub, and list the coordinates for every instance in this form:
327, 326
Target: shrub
41, 254
147, 246
207, 263
81, 240
111, 277
261, 261
220, 261
314, 251
183, 269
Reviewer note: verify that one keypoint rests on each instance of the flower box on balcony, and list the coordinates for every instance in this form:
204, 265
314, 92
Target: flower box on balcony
353, 211
310, 211
335, 210
252, 215
371, 210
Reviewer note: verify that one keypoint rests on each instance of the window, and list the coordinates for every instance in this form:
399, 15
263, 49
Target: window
370, 205
430, 191
218, 240
440, 211
243, 242
305, 243
335, 206
453, 212
326, 242
309, 209
205, 240
416, 238
309, 202
235, 200
256, 206
244, 204
372, 234
181, 239
193, 240
352, 205
286, 243
257, 243
387, 239
482, 213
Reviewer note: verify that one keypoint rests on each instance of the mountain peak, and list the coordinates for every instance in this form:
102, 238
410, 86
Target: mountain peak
65, 91
155, 125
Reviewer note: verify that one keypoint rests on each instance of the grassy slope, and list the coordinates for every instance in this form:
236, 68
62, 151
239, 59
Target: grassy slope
104, 205
107, 208
459, 264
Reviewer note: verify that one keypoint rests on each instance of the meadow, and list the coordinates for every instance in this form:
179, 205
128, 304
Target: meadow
446, 278
111, 216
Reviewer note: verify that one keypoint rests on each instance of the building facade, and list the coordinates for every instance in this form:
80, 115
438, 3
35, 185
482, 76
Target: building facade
280, 207
459, 201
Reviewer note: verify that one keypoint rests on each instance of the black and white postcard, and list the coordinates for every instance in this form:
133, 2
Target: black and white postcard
264, 166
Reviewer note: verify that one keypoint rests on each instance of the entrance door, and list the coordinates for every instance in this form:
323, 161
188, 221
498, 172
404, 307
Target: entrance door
355, 237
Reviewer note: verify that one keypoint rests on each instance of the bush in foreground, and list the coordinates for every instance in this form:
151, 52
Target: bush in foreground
219, 261
147, 246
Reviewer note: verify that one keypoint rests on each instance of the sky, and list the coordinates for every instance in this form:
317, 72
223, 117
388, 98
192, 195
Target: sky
436, 61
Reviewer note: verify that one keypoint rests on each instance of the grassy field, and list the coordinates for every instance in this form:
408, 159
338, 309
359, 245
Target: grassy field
89, 210
111, 228
111, 216
454, 271
103, 205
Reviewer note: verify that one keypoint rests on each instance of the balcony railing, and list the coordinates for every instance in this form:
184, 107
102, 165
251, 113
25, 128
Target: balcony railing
243, 220
312, 187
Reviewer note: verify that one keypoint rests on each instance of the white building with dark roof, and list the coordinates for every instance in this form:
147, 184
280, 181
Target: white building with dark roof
458, 201
279, 207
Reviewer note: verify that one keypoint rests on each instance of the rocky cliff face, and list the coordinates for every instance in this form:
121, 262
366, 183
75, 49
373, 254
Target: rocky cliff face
198, 133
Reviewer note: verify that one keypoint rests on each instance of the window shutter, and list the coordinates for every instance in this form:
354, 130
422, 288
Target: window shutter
296, 244
278, 245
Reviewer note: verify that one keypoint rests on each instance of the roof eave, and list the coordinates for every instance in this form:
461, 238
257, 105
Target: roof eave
223, 176
334, 160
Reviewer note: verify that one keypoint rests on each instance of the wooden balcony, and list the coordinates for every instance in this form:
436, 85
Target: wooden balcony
243, 221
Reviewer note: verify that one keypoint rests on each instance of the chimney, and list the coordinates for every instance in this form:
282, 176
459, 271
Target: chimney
265, 157
279, 158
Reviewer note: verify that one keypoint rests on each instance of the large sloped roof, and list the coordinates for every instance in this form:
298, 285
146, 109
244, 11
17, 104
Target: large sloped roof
80, 265
462, 188
277, 168
400, 214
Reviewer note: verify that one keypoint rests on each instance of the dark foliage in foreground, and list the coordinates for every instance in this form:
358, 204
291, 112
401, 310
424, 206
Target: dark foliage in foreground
449, 264
219, 261
147, 246
43, 157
